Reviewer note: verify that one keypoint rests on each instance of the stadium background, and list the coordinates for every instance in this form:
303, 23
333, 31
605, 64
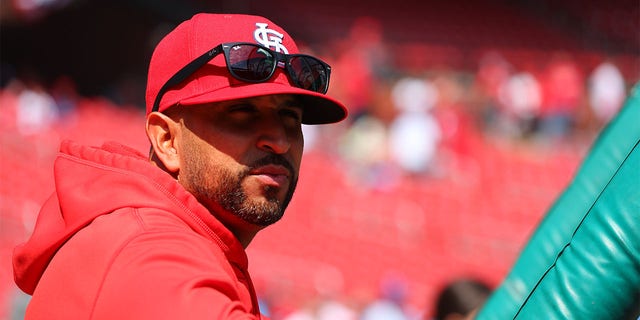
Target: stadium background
359, 227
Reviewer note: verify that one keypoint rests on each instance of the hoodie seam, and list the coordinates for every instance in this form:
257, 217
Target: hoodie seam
111, 262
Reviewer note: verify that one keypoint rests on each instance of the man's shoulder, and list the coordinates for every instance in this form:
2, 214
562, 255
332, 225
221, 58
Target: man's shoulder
154, 234
133, 225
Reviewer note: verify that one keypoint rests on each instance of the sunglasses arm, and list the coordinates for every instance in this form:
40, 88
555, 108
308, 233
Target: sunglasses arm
184, 73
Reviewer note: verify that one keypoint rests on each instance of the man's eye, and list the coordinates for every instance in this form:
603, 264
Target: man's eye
243, 108
295, 114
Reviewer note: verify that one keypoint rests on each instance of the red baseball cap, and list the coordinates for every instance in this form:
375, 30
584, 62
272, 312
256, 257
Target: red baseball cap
213, 82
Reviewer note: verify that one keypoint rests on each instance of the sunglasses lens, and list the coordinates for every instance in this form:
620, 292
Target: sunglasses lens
251, 63
310, 73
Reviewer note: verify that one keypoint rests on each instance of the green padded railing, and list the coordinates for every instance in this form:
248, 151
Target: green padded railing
583, 260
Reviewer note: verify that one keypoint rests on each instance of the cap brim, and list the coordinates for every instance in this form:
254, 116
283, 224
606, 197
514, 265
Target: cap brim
317, 108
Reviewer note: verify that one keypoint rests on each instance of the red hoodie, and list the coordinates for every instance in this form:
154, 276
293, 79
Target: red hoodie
121, 239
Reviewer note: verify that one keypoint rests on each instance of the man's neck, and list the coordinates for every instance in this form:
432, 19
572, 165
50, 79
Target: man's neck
244, 238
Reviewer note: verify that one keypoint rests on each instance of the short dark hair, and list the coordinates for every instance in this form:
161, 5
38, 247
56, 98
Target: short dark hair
461, 296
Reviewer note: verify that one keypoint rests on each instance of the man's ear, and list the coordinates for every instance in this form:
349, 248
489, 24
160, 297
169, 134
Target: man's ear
162, 132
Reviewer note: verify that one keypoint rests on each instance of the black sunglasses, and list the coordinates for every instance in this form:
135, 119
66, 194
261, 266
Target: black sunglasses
253, 63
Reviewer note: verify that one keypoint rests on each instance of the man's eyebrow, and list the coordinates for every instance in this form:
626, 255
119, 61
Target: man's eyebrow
293, 102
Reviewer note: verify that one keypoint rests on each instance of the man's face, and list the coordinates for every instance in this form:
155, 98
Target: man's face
242, 156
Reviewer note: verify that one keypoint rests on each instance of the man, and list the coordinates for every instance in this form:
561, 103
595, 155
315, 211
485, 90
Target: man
128, 238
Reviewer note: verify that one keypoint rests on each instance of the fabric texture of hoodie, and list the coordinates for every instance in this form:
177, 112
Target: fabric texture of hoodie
122, 239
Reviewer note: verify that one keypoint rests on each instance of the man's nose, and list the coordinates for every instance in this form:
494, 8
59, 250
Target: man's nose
274, 137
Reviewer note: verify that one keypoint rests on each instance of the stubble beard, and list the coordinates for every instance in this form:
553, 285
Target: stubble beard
228, 193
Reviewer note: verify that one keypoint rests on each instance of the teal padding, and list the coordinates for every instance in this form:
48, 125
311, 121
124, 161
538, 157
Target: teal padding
583, 260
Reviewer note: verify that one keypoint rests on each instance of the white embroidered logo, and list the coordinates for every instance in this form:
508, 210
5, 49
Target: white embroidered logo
269, 38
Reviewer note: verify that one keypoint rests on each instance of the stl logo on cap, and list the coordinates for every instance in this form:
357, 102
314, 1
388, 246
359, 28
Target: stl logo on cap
269, 38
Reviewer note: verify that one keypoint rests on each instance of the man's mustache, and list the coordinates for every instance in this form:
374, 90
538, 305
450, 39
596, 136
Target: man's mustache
273, 159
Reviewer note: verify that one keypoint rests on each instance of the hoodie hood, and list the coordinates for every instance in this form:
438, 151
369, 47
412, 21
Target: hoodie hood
91, 182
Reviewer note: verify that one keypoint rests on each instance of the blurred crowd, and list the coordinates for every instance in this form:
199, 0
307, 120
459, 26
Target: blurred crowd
401, 119
405, 123
456, 299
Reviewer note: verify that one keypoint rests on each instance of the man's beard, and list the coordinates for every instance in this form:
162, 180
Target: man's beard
230, 196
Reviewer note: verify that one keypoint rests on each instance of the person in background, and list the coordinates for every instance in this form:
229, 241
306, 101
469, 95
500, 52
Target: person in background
460, 299
607, 91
